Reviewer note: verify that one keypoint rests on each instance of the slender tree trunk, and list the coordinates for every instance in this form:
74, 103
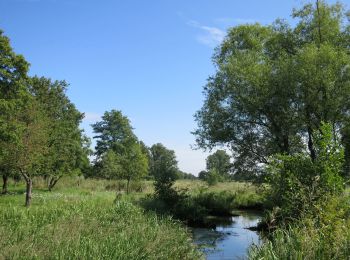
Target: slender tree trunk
29, 192
52, 183
311, 144
319, 22
286, 144
127, 186
29, 187
5, 183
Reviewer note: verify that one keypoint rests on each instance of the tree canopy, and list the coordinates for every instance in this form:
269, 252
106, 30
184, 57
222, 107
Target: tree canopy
220, 161
163, 166
119, 154
39, 125
275, 84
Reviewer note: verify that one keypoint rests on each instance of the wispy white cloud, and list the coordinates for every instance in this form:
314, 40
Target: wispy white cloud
91, 117
210, 36
228, 21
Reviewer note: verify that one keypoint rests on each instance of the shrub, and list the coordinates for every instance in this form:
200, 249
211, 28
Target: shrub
213, 177
298, 183
216, 203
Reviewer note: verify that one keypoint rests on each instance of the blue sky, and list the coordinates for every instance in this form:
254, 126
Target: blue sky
149, 59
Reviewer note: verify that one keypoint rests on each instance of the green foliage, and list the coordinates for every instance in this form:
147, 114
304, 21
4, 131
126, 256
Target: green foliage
202, 175
133, 163
185, 176
39, 126
194, 201
13, 98
220, 162
302, 72
67, 152
223, 202
299, 184
119, 153
217, 203
88, 225
178, 204
109, 167
13, 94
113, 132
164, 169
324, 237
213, 177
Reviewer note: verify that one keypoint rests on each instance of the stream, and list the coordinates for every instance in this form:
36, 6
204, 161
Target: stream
230, 239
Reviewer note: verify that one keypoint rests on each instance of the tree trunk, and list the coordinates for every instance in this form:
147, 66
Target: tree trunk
311, 145
52, 183
5, 183
29, 192
127, 186
319, 22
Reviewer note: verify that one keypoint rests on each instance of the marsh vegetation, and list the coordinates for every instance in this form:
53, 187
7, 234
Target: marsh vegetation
278, 108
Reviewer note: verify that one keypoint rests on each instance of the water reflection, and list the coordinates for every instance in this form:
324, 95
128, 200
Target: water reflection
230, 239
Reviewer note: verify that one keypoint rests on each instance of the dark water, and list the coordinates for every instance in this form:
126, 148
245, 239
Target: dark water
230, 239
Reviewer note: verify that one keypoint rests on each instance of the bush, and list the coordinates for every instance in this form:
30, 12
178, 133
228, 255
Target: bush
183, 207
216, 203
325, 237
298, 183
213, 177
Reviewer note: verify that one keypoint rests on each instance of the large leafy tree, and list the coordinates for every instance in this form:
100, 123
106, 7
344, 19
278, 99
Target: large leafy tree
113, 132
66, 143
28, 155
275, 84
118, 150
13, 95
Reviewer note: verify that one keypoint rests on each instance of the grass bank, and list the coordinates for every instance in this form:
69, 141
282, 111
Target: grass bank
84, 223
324, 237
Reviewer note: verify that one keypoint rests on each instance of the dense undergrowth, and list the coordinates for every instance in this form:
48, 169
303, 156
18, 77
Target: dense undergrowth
194, 204
325, 237
310, 218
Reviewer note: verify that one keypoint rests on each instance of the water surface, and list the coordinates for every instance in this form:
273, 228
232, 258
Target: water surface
230, 239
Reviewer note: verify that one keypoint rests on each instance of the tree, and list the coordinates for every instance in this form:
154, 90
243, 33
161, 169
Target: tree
202, 175
134, 163
29, 153
109, 167
164, 169
185, 175
275, 84
113, 132
299, 184
13, 94
117, 144
145, 150
66, 143
219, 161
213, 177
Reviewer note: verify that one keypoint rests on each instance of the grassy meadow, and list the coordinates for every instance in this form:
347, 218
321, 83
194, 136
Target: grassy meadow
96, 219
82, 219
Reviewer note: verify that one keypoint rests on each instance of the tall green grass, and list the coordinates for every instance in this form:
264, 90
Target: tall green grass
324, 237
82, 224
305, 243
